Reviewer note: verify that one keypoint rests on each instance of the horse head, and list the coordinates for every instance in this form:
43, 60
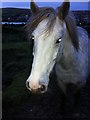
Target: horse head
47, 29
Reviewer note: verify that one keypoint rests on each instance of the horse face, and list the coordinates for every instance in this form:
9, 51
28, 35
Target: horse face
47, 43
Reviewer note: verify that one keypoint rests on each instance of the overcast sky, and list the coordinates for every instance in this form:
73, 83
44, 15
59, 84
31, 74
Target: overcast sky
74, 5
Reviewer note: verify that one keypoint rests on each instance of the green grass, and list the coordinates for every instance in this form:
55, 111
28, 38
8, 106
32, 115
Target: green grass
16, 93
13, 34
16, 65
18, 45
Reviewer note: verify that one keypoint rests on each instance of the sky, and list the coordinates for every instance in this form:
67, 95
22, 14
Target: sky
44, 0
74, 5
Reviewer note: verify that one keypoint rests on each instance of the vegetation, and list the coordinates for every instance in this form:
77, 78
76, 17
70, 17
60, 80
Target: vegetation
13, 33
17, 60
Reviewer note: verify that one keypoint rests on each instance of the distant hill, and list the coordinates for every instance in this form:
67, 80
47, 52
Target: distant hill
15, 14
22, 15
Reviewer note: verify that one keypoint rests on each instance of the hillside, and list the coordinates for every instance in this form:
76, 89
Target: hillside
15, 14
22, 15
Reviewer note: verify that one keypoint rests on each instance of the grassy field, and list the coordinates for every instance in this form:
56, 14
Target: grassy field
16, 67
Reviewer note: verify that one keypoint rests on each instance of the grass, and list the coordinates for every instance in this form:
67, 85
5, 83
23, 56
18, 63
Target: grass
16, 65
16, 92
18, 45
13, 34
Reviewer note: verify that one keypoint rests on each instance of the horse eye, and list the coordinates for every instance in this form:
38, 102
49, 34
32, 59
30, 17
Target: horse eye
58, 41
32, 37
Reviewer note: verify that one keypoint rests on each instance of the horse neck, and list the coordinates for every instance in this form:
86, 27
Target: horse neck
68, 48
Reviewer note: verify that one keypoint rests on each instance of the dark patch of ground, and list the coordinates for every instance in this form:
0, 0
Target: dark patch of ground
48, 106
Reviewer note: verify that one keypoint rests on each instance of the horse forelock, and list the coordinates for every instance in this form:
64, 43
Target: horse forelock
51, 14
35, 19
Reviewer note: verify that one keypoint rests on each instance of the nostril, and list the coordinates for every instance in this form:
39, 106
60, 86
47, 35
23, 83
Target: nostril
42, 88
27, 84
39, 89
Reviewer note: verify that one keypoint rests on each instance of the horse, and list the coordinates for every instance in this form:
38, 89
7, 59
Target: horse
60, 47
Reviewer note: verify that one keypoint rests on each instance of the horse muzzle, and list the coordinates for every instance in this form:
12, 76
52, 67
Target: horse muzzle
37, 90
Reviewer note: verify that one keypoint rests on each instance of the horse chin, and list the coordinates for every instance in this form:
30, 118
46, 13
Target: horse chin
38, 92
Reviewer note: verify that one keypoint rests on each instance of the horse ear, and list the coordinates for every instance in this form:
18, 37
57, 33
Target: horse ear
34, 7
64, 9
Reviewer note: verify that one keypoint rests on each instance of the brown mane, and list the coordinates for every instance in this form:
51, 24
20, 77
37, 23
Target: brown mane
47, 12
